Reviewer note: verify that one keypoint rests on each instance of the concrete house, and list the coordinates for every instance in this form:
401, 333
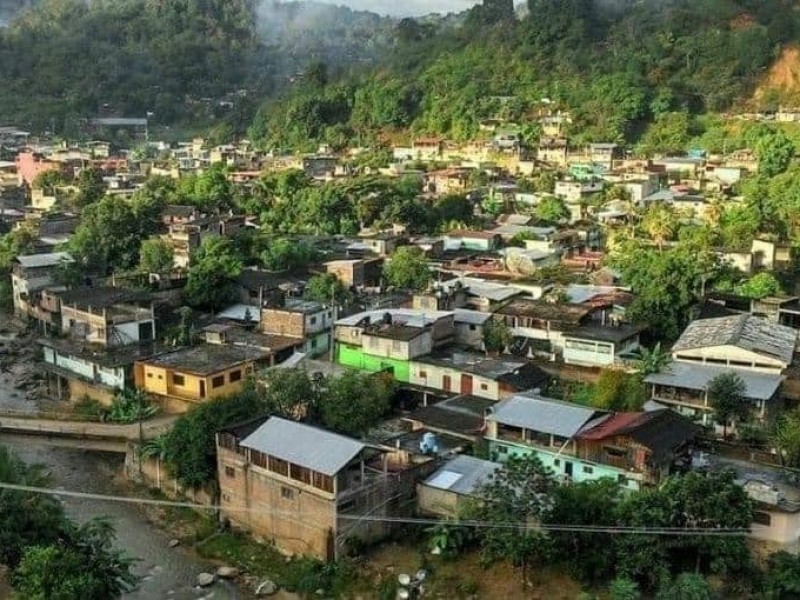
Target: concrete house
305, 488
552, 150
32, 274
311, 322
472, 240
581, 444
446, 490
188, 376
107, 316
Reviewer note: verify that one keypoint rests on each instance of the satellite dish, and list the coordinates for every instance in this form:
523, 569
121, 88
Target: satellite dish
404, 579
403, 594
421, 575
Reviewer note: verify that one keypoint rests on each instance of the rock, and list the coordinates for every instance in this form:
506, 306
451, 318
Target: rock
320, 592
205, 579
227, 572
266, 588
174, 543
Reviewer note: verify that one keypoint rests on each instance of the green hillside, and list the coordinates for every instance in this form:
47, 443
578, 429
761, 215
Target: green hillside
617, 65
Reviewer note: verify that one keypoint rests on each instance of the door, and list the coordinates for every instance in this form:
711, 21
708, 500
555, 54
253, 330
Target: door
202, 388
466, 384
568, 469
447, 384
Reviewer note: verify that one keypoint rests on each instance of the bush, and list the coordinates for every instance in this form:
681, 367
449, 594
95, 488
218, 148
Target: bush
90, 409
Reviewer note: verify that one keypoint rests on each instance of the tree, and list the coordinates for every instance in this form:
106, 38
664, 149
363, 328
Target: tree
669, 134
686, 586
327, 288
91, 187
190, 451
660, 223
84, 565
588, 555
291, 394
623, 588
783, 576
551, 209
408, 269
283, 254
26, 519
496, 335
774, 152
515, 496
156, 256
726, 394
355, 402
760, 286
213, 270
49, 179
786, 439
618, 390
651, 360
691, 500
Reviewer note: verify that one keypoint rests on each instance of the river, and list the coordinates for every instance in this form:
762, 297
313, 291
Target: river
167, 573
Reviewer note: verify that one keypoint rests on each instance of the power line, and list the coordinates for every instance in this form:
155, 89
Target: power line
611, 529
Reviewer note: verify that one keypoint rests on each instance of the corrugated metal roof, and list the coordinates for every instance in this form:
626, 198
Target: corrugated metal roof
745, 331
688, 376
471, 317
545, 415
33, 261
317, 449
462, 475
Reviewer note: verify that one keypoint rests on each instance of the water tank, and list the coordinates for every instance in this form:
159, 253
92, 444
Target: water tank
429, 444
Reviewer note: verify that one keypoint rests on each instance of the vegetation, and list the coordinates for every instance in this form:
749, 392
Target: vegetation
49, 555
212, 274
408, 269
726, 393
327, 288
496, 335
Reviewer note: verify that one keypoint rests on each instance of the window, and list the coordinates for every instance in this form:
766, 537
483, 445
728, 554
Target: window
484, 386
423, 374
276, 465
473, 327
557, 463
502, 450
235, 376
622, 480
314, 343
230, 472
588, 470
149, 375
178, 379
301, 474
762, 518
218, 381
287, 493
313, 320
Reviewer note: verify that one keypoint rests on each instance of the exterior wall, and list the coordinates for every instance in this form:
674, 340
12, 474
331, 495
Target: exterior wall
731, 356
317, 345
297, 518
783, 528
319, 321
470, 336
433, 501
555, 337
161, 382
129, 332
79, 389
353, 356
433, 376
582, 470
283, 322
588, 352
108, 376
399, 350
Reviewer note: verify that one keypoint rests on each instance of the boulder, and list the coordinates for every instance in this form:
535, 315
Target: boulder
173, 543
266, 588
205, 579
227, 572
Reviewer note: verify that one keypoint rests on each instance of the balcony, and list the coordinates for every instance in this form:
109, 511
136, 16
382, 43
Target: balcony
670, 395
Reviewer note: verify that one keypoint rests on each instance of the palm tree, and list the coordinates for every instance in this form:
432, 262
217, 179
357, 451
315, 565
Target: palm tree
660, 223
649, 361
155, 448
714, 211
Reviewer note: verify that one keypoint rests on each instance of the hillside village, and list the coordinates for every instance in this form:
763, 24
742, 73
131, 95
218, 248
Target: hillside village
416, 317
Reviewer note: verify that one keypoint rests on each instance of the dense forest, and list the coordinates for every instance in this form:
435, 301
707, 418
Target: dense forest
184, 61
617, 65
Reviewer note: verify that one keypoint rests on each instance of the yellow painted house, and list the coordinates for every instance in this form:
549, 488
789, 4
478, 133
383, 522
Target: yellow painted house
182, 378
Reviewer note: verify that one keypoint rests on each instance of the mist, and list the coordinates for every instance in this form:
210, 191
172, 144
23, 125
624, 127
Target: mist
406, 8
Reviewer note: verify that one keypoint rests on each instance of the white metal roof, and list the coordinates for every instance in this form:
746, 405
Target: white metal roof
690, 376
50, 259
316, 449
545, 415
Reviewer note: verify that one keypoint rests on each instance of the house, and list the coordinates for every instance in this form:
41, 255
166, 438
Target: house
312, 487
302, 319
469, 327
741, 342
598, 346
539, 325
188, 376
74, 371
381, 244
32, 164
265, 288
186, 237
579, 443
473, 374
280, 348
683, 386
457, 416
320, 166
387, 340
355, 273
455, 180
552, 150
107, 316
604, 154
527, 261
445, 492
485, 241
483, 296
574, 191
33, 273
